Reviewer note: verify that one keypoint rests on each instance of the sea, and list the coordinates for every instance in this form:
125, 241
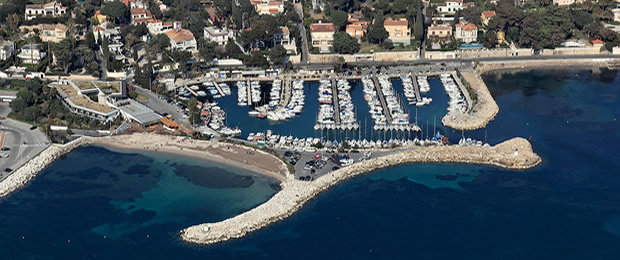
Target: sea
106, 203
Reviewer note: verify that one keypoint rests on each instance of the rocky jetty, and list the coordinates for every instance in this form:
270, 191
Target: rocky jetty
482, 112
512, 154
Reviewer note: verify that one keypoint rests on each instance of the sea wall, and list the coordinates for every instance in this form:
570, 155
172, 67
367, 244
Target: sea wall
21, 176
513, 154
483, 109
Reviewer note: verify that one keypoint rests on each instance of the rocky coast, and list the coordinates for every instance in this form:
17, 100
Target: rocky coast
514, 154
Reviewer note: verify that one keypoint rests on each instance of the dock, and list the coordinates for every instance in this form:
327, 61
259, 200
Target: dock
386, 111
416, 88
335, 97
249, 92
191, 91
287, 90
463, 90
217, 86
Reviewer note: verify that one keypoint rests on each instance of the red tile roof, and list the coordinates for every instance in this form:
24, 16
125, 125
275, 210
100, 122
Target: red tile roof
180, 35
488, 14
398, 22
322, 27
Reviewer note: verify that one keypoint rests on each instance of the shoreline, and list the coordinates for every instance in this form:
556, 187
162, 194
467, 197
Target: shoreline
295, 193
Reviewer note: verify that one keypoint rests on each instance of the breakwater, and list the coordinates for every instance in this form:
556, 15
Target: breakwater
21, 176
512, 154
483, 109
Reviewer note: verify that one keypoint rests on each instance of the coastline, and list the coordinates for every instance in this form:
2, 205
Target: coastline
295, 193
483, 111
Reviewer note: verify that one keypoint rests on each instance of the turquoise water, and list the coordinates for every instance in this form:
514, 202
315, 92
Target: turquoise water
566, 208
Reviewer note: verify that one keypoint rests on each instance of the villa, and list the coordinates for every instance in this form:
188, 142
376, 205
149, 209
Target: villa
218, 35
140, 16
565, 3
322, 35
439, 32
450, 6
486, 16
466, 32
51, 9
356, 28
156, 27
283, 37
268, 7
53, 32
31, 54
398, 30
182, 39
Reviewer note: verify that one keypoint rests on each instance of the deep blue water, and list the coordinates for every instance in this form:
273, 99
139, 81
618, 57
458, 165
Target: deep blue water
566, 208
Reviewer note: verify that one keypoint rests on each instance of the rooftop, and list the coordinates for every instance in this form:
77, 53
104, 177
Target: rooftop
180, 35
467, 27
488, 14
322, 27
395, 22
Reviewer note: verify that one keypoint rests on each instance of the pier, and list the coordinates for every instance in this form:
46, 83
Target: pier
191, 91
217, 86
335, 98
464, 90
416, 88
249, 92
386, 111
295, 193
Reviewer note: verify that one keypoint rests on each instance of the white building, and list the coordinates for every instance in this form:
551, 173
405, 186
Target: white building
466, 32
7, 49
115, 39
218, 35
450, 6
616, 13
182, 39
30, 54
51, 9
156, 27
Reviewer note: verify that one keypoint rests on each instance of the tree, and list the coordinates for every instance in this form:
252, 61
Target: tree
345, 44
471, 14
116, 10
63, 54
277, 55
90, 40
339, 19
256, 59
376, 31
388, 45
418, 31
13, 20
490, 39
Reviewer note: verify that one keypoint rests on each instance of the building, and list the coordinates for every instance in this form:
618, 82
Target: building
616, 12
77, 98
7, 49
565, 3
156, 27
322, 35
268, 7
283, 37
356, 28
140, 16
450, 6
182, 39
466, 32
439, 33
134, 4
51, 9
101, 19
31, 54
218, 35
486, 16
398, 30
138, 113
53, 32
7, 96
115, 39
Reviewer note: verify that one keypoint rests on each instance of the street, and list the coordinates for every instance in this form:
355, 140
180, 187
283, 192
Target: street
22, 142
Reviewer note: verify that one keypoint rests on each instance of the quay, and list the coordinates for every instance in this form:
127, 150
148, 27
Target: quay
386, 111
249, 92
514, 154
191, 91
480, 112
335, 98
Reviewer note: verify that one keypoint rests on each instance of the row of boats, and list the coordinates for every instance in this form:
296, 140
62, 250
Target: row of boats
216, 120
410, 92
275, 112
242, 94
325, 117
457, 103
395, 108
345, 106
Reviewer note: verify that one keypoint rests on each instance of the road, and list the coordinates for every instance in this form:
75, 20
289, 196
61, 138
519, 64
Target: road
161, 106
23, 142
302, 30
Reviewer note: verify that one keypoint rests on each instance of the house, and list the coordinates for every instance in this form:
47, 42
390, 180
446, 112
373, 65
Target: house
182, 39
616, 12
268, 6
450, 6
439, 32
466, 32
51, 9
501, 37
322, 35
53, 32
31, 54
115, 40
398, 30
7, 49
134, 4
101, 19
218, 35
486, 16
140, 16
283, 37
156, 27
597, 43
356, 28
